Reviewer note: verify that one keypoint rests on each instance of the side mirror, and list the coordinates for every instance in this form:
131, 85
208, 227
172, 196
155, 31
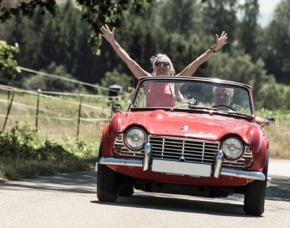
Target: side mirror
270, 120
116, 107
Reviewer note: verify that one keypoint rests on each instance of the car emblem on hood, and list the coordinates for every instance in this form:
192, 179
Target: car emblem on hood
184, 127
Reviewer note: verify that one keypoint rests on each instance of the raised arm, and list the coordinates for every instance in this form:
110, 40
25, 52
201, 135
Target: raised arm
132, 65
192, 67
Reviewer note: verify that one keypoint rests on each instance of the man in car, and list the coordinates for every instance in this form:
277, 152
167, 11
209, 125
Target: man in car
222, 96
222, 99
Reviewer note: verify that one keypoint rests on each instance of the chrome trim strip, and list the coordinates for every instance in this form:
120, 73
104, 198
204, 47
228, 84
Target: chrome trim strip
243, 174
224, 171
146, 158
120, 161
218, 163
269, 181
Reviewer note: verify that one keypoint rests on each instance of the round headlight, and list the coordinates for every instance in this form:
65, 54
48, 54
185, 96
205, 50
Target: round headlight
233, 148
135, 138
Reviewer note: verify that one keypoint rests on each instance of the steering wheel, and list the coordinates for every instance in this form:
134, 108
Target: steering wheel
224, 106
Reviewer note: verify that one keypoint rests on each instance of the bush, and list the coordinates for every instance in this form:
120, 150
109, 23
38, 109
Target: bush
25, 144
23, 154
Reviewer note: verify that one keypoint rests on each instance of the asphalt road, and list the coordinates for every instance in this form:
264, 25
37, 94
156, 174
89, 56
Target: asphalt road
69, 200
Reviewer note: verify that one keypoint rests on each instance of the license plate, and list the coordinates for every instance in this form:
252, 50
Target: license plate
181, 168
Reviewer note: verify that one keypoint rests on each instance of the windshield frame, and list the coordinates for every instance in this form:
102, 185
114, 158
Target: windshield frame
182, 79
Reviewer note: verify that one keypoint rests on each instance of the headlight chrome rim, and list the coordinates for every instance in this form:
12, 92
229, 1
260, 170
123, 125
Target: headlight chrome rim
135, 138
233, 148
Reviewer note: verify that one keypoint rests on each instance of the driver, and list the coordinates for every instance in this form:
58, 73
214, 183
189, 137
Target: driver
223, 96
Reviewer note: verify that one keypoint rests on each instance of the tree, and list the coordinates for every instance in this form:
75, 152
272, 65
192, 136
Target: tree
221, 16
27, 33
278, 33
45, 39
96, 13
180, 16
248, 26
240, 67
118, 78
8, 64
47, 83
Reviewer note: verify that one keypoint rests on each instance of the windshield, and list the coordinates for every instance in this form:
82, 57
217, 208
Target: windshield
193, 95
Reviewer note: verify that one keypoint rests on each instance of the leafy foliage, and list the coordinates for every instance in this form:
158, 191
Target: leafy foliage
278, 54
23, 143
96, 13
249, 27
116, 77
23, 154
8, 64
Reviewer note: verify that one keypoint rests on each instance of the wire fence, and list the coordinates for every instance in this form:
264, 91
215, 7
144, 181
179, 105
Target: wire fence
54, 114
57, 114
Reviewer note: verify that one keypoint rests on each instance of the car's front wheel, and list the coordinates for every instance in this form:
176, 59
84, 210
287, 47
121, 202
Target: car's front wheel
106, 184
255, 194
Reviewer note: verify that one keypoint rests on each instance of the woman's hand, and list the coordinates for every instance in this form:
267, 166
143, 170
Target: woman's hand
107, 33
220, 41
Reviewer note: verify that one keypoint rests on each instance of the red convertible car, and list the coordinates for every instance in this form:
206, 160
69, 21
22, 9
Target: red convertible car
186, 135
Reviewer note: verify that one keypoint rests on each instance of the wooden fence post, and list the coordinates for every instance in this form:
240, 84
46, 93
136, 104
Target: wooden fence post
79, 116
9, 108
37, 109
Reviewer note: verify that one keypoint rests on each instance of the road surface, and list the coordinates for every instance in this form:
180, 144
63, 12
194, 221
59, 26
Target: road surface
69, 200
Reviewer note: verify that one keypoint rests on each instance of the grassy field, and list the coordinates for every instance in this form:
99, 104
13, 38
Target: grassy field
278, 132
57, 118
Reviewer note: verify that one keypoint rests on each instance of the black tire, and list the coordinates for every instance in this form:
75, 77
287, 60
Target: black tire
106, 184
126, 190
254, 201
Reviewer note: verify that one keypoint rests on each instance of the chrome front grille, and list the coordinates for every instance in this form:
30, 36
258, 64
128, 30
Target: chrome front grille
182, 149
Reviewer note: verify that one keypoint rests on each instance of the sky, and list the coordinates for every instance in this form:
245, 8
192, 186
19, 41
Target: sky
267, 8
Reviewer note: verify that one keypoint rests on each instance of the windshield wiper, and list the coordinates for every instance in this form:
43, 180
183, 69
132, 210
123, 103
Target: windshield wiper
192, 104
238, 114
195, 107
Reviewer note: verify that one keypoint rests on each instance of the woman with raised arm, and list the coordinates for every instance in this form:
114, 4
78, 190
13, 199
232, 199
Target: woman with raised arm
161, 63
166, 94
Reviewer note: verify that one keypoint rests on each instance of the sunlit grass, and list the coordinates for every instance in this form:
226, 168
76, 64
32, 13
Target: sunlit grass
57, 115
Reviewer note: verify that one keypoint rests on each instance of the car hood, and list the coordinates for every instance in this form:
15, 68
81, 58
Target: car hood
192, 125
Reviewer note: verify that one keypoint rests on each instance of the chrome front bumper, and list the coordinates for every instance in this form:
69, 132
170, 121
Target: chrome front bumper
217, 170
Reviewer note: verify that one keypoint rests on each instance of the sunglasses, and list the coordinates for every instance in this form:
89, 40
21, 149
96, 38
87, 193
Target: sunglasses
162, 63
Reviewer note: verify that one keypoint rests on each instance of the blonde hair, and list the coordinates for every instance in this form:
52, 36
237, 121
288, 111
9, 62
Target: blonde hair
154, 58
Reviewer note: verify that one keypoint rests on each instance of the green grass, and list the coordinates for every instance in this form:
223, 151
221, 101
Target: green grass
57, 115
281, 116
278, 132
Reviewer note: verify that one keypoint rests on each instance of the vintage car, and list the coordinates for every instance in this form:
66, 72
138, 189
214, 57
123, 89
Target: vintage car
186, 135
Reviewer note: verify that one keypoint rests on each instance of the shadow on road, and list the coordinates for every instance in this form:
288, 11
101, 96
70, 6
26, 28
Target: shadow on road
79, 182
232, 206
279, 189
180, 204
85, 182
